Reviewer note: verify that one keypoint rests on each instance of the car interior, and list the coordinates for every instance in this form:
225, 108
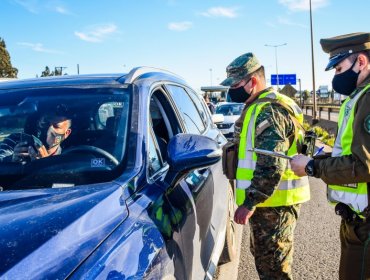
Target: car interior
160, 114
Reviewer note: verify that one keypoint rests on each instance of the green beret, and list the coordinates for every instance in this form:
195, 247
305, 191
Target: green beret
340, 47
241, 67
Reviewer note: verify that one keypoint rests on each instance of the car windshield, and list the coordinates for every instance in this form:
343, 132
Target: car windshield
230, 109
52, 137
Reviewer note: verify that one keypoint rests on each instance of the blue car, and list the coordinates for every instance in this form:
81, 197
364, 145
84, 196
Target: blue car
131, 189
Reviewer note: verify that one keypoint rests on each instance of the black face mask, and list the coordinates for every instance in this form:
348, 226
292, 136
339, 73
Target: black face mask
239, 94
345, 83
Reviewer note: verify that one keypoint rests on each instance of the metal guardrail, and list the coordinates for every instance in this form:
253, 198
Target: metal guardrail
330, 108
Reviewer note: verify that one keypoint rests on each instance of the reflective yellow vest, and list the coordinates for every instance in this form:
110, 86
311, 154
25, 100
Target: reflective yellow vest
291, 189
354, 195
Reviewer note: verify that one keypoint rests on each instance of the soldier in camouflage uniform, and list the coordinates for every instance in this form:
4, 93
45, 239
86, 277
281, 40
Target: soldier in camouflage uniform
271, 208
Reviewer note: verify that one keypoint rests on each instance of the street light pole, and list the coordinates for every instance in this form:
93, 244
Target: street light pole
210, 71
276, 62
300, 93
314, 119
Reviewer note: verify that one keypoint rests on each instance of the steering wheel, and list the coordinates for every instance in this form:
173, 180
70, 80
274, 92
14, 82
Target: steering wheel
92, 149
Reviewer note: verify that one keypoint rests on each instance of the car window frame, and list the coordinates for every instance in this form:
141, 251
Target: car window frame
207, 116
151, 134
178, 109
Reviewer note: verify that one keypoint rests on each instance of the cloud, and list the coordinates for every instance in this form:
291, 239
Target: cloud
62, 10
38, 47
180, 26
30, 5
271, 24
97, 33
303, 5
37, 6
286, 21
220, 12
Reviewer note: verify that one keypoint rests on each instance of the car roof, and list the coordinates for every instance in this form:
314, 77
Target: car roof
99, 79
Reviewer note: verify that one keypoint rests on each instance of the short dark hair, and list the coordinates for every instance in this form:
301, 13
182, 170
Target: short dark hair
352, 58
260, 72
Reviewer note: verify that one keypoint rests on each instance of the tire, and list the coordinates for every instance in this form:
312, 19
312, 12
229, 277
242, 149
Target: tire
229, 251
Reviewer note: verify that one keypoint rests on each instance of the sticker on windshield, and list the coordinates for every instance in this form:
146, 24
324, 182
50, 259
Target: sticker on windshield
98, 162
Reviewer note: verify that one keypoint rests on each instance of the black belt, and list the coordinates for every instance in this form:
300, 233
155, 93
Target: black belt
349, 215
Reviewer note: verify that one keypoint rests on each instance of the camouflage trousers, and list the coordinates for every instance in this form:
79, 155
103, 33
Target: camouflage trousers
271, 242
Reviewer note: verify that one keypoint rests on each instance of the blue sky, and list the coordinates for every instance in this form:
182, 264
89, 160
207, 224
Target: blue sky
193, 38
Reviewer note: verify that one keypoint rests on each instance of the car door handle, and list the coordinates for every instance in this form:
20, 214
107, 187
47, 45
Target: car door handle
203, 171
219, 140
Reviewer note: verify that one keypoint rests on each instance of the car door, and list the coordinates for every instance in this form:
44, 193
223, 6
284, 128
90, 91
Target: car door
176, 207
167, 121
198, 233
221, 184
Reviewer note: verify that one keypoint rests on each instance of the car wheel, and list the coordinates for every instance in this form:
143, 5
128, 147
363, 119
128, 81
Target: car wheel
229, 251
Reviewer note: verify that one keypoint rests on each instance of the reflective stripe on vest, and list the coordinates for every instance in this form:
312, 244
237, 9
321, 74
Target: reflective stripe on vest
291, 189
354, 195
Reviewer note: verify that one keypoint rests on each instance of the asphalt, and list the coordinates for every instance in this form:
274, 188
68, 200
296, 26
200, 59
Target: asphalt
317, 248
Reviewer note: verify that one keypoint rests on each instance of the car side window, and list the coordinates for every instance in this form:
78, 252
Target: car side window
163, 125
188, 109
200, 104
155, 162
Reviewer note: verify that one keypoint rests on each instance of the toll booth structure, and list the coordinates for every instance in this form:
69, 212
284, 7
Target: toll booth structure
215, 93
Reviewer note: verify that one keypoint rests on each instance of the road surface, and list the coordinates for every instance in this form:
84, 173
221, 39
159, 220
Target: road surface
317, 248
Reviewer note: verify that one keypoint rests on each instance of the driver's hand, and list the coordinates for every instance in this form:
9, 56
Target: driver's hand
20, 152
24, 152
41, 153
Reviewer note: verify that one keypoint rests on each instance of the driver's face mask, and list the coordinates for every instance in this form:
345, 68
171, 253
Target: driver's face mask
47, 134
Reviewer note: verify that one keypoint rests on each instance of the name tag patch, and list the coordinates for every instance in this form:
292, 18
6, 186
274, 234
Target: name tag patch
262, 126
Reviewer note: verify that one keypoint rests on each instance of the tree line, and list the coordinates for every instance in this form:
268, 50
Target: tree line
8, 71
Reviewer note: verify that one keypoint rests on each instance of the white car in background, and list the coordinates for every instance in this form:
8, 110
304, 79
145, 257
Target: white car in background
231, 111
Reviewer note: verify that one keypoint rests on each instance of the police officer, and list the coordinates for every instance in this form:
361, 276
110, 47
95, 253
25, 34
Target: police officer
267, 192
347, 171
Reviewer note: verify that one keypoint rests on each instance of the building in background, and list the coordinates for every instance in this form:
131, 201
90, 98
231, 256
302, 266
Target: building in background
215, 93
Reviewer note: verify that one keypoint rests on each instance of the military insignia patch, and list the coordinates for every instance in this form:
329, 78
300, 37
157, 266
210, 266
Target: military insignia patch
367, 124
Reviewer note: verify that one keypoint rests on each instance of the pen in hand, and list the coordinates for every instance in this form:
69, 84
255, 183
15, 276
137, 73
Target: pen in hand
318, 151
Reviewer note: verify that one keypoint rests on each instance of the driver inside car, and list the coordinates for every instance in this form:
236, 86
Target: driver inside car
50, 131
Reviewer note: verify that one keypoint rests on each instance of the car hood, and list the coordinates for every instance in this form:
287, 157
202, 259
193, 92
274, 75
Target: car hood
47, 233
231, 119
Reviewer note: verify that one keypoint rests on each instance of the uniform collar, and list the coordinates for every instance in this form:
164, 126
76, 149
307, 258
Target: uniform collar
255, 96
361, 86
365, 82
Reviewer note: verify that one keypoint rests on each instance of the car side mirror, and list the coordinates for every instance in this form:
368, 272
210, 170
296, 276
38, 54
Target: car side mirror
186, 152
218, 118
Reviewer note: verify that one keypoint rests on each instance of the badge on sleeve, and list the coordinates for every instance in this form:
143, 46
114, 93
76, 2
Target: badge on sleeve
367, 124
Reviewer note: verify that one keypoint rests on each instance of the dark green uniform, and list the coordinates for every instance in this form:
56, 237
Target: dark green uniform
354, 166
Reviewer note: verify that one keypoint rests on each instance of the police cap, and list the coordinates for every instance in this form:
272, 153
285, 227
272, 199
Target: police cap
340, 47
241, 67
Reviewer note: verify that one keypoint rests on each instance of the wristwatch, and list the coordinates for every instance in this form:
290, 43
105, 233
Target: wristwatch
310, 168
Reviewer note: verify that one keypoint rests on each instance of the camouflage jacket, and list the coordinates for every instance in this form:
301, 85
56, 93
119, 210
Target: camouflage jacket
274, 128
